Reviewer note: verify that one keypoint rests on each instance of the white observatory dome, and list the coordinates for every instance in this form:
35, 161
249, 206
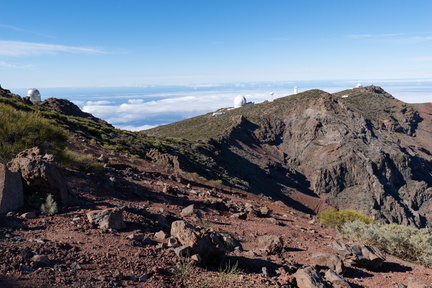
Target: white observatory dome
34, 95
359, 85
239, 101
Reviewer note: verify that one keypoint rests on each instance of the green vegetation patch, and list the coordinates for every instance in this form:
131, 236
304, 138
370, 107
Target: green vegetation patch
335, 219
20, 130
406, 242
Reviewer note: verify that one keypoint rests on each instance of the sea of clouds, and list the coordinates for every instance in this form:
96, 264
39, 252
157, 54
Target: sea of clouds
143, 107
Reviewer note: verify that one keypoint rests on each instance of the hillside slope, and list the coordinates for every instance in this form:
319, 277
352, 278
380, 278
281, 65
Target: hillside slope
360, 148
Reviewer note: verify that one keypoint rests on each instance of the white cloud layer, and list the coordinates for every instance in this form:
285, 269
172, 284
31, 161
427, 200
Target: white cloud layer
22, 49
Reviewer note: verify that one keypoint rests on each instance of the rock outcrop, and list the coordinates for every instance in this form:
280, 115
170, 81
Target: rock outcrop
40, 174
208, 245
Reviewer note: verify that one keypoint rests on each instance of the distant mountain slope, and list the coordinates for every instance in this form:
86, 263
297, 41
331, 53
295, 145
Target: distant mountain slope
360, 148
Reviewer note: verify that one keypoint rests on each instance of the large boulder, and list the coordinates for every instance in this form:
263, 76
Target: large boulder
208, 245
41, 174
111, 218
271, 244
309, 277
327, 260
362, 256
11, 190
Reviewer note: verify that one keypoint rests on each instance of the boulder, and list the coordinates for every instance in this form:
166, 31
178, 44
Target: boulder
208, 245
272, 244
362, 256
189, 211
11, 190
40, 173
107, 218
329, 261
40, 261
336, 280
309, 278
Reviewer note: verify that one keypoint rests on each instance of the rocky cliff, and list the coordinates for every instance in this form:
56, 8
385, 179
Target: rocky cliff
360, 149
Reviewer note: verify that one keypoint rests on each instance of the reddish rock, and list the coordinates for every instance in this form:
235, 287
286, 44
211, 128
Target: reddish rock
11, 190
41, 174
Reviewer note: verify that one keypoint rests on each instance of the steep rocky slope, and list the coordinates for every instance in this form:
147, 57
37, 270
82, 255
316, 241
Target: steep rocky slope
360, 148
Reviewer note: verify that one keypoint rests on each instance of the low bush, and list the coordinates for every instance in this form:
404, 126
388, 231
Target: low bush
335, 219
405, 242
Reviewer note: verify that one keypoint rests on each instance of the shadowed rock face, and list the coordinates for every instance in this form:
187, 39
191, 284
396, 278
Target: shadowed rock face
11, 190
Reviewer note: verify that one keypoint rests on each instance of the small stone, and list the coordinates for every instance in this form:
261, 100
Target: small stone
143, 278
416, 284
25, 268
188, 211
40, 260
160, 235
241, 215
196, 258
75, 266
147, 241
29, 215
172, 242
265, 271
182, 251
265, 211
117, 275
136, 236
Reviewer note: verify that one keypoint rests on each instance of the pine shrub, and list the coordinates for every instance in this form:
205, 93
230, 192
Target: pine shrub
49, 207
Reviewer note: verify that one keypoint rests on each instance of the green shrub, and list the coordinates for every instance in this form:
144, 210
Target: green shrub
80, 162
405, 242
335, 219
20, 130
49, 207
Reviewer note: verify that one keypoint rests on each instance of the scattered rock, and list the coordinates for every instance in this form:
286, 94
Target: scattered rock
182, 251
29, 215
264, 211
272, 244
189, 211
136, 236
208, 245
362, 256
11, 190
417, 284
309, 278
196, 259
40, 261
143, 278
160, 235
240, 215
172, 242
337, 281
328, 260
111, 218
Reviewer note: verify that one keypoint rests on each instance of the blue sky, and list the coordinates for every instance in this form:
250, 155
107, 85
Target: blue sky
138, 42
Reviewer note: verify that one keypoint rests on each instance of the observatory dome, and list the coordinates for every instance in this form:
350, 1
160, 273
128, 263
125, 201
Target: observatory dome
239, 101
34, 95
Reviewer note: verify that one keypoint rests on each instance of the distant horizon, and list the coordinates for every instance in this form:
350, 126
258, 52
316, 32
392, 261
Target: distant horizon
137, 108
